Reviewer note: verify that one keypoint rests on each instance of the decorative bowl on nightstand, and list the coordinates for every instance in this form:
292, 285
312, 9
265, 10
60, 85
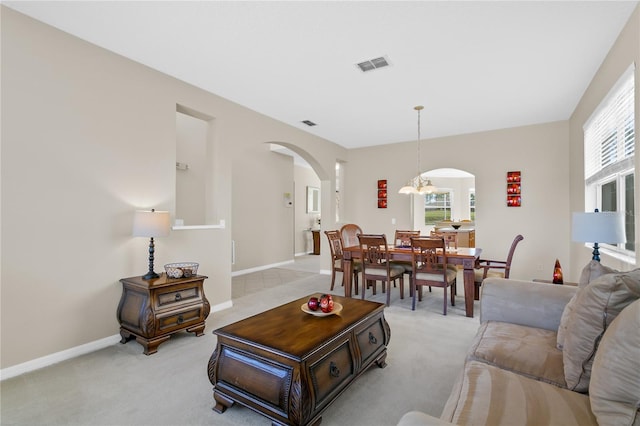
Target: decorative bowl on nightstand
183, 269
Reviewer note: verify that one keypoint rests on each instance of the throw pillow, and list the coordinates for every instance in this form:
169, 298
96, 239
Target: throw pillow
590, 272
595, 307
613, 390
593, 270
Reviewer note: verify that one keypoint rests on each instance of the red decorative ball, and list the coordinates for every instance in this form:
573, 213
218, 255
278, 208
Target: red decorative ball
326, 303
313, 303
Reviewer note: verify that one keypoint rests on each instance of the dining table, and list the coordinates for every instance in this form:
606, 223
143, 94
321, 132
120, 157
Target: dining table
464, 256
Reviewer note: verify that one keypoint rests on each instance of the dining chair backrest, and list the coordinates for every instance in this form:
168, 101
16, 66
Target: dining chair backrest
403, 238
349, 233
374, 250
449, 238
335, 244
512, 250
426, 252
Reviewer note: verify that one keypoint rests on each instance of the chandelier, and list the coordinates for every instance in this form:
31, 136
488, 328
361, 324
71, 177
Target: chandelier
418, 185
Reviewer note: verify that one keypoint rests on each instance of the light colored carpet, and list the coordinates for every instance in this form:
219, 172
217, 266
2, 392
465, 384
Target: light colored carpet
120, 386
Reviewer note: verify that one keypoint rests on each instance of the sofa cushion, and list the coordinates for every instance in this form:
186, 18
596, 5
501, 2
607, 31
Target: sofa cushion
595, 307
614, 389
524, 350
590, 272
488, 395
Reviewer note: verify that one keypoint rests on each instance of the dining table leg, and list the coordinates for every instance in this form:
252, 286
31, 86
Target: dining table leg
469, 284
347, 265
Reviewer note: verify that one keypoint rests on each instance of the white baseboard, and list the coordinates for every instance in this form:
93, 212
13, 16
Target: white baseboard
261, 268
325, 272
47, 360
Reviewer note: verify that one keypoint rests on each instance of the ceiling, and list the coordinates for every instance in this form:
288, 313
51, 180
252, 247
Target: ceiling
474, 65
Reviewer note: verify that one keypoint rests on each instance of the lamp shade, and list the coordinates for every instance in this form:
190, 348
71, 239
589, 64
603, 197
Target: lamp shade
598, 227
151, 224
408, 190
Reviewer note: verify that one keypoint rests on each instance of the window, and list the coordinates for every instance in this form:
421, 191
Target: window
472, 204
437, 207
609, 145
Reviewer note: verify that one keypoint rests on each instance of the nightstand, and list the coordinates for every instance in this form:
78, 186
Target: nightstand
152, 310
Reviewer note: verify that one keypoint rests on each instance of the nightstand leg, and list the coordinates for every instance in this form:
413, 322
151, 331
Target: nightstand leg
151, 345
198, 330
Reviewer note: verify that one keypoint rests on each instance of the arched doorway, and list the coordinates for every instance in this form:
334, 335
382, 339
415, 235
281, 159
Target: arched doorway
308, 183
454, 199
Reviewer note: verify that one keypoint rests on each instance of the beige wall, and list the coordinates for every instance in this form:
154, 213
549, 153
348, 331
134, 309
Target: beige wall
87, 138
625, 51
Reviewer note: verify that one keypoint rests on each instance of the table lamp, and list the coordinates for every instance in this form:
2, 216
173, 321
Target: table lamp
594, 227
151, 224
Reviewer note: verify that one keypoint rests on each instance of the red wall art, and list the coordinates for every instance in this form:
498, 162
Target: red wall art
382, 194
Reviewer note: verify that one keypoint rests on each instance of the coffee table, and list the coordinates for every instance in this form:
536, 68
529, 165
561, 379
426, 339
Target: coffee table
289, 365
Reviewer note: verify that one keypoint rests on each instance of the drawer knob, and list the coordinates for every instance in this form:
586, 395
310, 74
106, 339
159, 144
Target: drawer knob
334, 371
372, 339
178, 296
180, 319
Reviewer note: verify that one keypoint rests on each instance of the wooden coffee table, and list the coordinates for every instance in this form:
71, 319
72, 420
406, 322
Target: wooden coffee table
289, 365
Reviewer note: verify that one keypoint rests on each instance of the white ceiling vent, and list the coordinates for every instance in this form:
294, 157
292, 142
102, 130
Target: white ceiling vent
373, 64
309, 123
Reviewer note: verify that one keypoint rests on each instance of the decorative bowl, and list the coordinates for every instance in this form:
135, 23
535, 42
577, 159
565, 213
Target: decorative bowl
183, 269
456, 226
337, 308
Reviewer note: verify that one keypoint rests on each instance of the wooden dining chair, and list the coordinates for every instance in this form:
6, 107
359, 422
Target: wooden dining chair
494, 268
403, 239
376, 266
429, 271
337, 262
349, 233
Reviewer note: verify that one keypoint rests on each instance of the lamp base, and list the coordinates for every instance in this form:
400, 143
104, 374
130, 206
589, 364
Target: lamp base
596, 252
150, 275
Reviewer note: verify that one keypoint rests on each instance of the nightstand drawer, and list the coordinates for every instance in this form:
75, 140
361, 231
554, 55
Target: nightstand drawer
178, 320
188, 294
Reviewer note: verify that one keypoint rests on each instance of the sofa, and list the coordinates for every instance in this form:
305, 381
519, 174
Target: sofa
548, 354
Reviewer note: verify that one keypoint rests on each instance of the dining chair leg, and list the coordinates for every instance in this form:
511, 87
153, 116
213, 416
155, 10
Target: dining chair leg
355, 282
445, 300
453, 294
388, 285
401, 287
414, 290
333, 279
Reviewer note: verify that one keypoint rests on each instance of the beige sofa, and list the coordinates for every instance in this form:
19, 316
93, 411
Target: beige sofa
515, 373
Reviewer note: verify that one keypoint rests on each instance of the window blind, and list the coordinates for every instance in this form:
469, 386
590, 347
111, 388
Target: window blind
609, 135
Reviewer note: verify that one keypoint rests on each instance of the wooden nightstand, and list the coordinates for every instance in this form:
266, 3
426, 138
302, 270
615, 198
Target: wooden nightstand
151, 311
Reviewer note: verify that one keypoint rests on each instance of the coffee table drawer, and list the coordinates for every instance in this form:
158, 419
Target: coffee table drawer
254, 378
371, 340
331, 372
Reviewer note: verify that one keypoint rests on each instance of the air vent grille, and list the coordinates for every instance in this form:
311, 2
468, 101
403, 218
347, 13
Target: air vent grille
309, 123
373, 64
